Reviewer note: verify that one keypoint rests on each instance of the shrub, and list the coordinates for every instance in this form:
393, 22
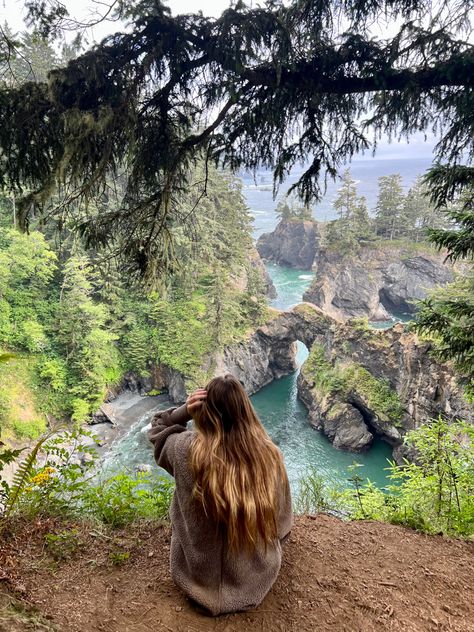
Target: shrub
80, 410
312, 494
31, 429
435, 494
124, 498
59, 478
55, 372
33, 336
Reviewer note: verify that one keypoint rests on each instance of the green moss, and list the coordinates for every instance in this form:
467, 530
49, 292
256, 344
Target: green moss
361, 324
379, 396
329, 379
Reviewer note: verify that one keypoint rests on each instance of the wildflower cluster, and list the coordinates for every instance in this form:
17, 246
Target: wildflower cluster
42, 478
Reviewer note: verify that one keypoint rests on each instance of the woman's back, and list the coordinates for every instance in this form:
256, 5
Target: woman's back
218, 572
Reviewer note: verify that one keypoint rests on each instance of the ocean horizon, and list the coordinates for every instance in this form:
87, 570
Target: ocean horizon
258, 188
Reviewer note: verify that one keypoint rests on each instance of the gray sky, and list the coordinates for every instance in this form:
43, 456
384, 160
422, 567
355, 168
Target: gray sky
12, 11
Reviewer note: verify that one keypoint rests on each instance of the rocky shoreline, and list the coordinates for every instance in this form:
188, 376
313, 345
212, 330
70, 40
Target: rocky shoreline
376, 281
357, 382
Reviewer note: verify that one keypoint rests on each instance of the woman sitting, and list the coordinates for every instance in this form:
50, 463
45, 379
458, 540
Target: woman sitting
231, 508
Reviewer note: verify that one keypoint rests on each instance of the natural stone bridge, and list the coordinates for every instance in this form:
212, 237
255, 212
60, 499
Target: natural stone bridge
270, 351
392, 359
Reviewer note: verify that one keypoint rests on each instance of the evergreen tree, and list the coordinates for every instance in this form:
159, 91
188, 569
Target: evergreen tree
447, 315
82, 332
30, 60
390, 221
419, 213
266, 86
362, 225
291, 208
353, 226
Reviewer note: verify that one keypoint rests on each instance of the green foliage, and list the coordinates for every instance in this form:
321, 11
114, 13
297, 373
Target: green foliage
13, 493
181, 336
59, 478
353, 228
389, 212
312, 493
330, 379
377, 393
31, 57
54, 370
402, 219
452, 192
242, 74
119, 558
83, 323
361, 324
82, 333
124, 498
447, 315
31, 429
291, 208
64, 544
327, 378
434, 493
80, 410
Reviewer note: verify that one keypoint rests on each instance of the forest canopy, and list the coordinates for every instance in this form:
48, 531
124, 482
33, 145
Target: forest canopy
306, 82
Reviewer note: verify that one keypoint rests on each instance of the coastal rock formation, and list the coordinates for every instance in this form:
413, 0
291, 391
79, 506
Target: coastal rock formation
356, 383
293, 243
260, 268
342, 423
388, 376
242, 278
365, 382
376, 281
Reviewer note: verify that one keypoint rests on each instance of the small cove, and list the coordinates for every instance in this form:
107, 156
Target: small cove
279, 409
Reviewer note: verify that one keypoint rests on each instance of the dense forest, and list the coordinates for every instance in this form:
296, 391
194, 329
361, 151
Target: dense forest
77, 322
125, 242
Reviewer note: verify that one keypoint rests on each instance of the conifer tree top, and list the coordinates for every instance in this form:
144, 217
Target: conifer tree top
305, 81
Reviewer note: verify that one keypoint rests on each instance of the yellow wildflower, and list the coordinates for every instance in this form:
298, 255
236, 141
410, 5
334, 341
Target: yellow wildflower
42, 477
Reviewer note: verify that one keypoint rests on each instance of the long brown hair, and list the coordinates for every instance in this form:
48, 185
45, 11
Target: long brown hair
238, 471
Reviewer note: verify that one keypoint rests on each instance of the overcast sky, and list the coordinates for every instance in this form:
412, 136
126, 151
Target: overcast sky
12, 11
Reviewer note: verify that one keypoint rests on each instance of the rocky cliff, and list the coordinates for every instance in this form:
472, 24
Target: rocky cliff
356, 383
241, 278
366, 382
376, 281
255, 361
293, 243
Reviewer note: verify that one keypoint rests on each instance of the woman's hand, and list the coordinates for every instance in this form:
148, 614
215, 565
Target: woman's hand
195, 400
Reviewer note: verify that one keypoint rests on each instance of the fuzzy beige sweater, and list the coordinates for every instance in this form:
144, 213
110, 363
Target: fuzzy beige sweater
200, 562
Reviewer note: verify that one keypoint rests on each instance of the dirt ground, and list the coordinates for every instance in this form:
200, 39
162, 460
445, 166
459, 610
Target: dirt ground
336, 576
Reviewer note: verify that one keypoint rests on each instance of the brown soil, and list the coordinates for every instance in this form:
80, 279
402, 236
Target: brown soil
336, 576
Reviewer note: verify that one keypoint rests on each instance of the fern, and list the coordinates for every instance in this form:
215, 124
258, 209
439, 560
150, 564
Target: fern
23, 475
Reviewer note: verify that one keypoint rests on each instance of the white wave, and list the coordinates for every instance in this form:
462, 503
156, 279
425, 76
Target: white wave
305, 276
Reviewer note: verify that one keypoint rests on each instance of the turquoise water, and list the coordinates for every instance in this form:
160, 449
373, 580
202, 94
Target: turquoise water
285, 417
290, 285
395, 318
282, 414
